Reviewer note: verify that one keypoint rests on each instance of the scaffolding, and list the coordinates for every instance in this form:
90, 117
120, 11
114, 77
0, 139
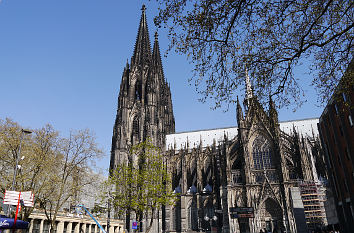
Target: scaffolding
313, 198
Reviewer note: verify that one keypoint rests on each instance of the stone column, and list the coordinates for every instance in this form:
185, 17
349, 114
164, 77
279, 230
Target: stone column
60, 227
111, 229
77, 228
83, 227
95, 228
90, 227
69, 227
41, 226
31, 226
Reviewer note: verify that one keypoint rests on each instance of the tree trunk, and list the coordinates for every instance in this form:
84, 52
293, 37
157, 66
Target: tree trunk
151, 221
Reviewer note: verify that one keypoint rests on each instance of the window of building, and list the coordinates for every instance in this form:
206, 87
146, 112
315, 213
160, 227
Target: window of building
46, 226
193, 217
350, 119
136, 126
261, 152
36, 225
65, 230
74, 224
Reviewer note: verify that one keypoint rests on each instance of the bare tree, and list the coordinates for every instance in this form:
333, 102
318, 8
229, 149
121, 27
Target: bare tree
55, 169
269, 37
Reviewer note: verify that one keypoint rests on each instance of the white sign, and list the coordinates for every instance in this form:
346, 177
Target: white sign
12, 198
4, 223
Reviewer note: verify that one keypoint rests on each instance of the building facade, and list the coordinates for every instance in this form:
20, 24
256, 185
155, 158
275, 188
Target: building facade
240, 179
336, 128
253, 166
72, 223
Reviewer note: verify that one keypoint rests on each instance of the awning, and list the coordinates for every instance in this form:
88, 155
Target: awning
8, 223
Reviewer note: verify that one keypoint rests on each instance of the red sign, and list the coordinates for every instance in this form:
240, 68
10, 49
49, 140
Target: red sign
246, 215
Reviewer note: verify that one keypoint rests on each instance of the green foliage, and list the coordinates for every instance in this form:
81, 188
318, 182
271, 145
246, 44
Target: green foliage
98, 210
54, 168
142, 184
271, 37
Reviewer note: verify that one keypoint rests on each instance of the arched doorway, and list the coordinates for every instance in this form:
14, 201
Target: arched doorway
271, 216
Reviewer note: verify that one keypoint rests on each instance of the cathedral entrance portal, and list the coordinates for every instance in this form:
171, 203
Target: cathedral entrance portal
271, 216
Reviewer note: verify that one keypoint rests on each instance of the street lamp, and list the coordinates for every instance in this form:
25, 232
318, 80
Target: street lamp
206, 218
18, 156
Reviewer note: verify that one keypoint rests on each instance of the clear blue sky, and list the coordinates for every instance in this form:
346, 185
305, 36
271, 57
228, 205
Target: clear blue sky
61, 63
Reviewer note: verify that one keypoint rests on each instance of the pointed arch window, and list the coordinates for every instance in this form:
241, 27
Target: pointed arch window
262, 154
136, 126
138, 91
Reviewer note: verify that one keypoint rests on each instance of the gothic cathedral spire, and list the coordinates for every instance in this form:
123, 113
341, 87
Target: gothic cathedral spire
144, 102
142, 49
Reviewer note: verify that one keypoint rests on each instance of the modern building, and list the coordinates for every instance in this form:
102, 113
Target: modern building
73, 223
336, 127
239, 179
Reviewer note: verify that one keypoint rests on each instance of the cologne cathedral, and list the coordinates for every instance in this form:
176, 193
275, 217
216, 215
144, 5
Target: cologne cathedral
251, 178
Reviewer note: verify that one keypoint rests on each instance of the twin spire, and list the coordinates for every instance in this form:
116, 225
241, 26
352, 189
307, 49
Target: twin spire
142, 51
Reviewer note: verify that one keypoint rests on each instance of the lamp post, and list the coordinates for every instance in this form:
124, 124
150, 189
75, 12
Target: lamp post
18, 156
210, 219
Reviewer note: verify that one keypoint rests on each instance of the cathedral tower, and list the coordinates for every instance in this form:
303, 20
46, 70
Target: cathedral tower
144, 101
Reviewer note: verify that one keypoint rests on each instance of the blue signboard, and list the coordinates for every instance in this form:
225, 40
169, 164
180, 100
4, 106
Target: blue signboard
135, 225
8, 223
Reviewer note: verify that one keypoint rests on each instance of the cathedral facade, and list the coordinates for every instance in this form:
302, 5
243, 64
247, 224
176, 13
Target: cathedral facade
144, 101
239, 179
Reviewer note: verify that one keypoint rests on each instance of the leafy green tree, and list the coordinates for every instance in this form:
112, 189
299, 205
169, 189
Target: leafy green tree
270, 37
142, 184
71, 172
54, 168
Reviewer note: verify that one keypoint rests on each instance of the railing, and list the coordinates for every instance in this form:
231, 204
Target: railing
259, 175
236, 177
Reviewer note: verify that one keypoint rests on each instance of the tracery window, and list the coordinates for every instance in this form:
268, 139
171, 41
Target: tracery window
192, 216
135, 126
262, 154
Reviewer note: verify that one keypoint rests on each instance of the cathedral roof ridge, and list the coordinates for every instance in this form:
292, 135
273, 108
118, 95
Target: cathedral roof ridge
235, 127
304, 119
201, 130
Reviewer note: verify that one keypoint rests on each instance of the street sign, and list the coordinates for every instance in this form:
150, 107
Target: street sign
9, 223
12, 198
134, 225
241, 212
246, 215
244, 209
